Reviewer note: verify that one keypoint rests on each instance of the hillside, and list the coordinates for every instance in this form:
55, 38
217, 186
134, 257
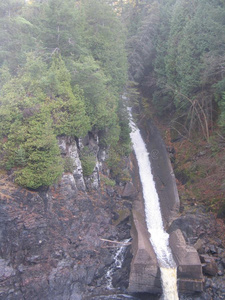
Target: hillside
177, 59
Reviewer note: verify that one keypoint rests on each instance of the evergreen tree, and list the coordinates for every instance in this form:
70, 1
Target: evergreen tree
36, 106
42, 160
14, 34
63, 67
105, 38
60, 27
67, 107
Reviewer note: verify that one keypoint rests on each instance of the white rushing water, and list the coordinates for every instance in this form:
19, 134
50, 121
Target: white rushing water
117, 264
158, 237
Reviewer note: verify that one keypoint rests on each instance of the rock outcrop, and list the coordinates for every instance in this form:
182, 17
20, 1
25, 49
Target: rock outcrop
71, 149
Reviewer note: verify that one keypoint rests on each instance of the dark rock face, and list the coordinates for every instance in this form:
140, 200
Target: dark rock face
51, 245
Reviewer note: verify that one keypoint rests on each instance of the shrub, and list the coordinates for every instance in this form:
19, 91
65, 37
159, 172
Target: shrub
88, 162
68, 164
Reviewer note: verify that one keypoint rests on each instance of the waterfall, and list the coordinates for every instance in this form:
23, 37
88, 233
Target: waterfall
158, 237
117, 264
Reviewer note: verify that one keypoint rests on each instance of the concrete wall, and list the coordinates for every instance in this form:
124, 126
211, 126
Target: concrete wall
162, 171
145, 273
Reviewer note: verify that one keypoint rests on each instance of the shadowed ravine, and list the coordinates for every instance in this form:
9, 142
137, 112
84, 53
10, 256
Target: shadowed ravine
158, 237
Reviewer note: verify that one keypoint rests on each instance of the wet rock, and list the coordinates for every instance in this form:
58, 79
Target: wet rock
223, 261
121, 276
6, 271
93, 181
101, 270
110, 191
68, 188
220, 269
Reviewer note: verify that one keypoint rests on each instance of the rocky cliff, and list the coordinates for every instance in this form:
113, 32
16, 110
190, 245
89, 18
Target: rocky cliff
52, 241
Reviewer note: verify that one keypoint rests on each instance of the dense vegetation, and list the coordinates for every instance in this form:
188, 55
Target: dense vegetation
63, 68
177, 55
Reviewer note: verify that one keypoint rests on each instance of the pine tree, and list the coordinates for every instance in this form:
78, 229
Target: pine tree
43, 163
14, 34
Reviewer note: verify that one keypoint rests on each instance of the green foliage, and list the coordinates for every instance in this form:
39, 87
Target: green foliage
124, 138
117, 165
107, 181
20, 157
63, 65
105, 39
88, 162
68, 164
177, 55
44, 164
66, 105
32, 148
101, 105
60, 27
14, 33
36, 106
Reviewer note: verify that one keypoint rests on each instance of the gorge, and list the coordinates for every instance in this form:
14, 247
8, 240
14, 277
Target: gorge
158, 237
82, 217
58, 233
52, 240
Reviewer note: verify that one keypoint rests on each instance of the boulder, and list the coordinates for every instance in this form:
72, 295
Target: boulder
129, 191
209, 265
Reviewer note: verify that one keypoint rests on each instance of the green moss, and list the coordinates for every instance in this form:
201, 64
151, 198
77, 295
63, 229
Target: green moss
107, 181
